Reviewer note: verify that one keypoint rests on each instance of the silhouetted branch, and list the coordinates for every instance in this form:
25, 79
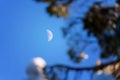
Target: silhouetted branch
86, 68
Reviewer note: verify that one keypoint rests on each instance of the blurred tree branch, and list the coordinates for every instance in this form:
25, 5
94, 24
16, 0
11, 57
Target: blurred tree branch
102, 66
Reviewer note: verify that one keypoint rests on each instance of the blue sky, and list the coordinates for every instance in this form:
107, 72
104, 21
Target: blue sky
23, 36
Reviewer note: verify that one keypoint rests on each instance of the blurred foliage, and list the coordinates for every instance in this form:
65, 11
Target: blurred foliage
102, 21
59, 10
57, 7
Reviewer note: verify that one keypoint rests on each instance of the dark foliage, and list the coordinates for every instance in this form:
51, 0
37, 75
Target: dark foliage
101, 21
104, 23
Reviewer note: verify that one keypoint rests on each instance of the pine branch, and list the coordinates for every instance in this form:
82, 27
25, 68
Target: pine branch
86, 68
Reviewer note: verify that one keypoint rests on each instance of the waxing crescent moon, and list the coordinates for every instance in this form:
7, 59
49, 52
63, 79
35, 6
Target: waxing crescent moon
50, 35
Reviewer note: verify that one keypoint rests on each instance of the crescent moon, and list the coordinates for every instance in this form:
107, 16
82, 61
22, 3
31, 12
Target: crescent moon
50, 35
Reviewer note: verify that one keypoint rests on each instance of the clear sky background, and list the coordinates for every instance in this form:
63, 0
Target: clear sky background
23, 36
